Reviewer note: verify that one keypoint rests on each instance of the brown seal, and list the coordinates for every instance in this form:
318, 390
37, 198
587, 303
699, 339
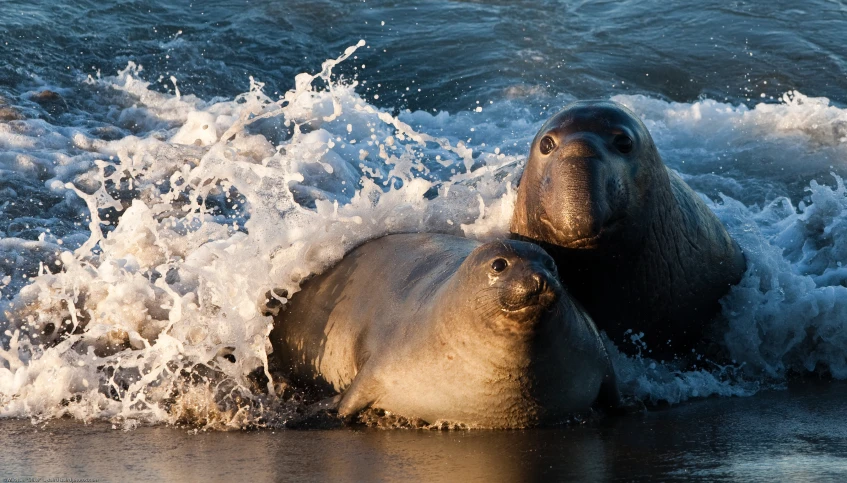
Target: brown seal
633, 243
444, 329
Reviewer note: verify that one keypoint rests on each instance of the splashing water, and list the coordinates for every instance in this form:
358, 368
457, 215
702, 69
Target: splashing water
137, 270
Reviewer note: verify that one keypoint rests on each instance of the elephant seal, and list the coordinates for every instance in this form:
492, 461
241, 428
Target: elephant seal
634, 244
444, 329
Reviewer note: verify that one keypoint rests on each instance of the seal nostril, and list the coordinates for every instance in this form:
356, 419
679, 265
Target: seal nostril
540, 283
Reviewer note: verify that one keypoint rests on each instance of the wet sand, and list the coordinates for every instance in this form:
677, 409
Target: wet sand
796, 434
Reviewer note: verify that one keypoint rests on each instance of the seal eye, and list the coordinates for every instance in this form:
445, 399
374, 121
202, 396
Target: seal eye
547, 145
623, 143
499, 264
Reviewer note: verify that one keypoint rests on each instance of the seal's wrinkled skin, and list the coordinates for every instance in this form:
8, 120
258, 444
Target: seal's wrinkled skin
440, 328
633, 243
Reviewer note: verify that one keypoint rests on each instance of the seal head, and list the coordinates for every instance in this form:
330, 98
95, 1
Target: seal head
588, 177
515, 282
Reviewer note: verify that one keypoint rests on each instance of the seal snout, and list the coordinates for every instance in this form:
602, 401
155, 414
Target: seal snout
536, 288
540, 283
585, 146
542, 288
545, 290
578, 201
583, 191
520, 278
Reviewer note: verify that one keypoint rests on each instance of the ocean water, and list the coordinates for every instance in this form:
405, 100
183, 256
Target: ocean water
163, 165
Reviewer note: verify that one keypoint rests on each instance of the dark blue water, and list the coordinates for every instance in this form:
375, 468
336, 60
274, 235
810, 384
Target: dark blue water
455, 52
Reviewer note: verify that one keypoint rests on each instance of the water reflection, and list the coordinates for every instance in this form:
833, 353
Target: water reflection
794, 434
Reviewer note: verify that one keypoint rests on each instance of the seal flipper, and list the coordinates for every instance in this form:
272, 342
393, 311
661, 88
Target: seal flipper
333, 411
611, 401
361, 394
320, 415
609, 397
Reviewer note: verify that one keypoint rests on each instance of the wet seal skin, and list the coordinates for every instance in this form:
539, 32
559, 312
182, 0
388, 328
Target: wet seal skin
436, 328
633, 243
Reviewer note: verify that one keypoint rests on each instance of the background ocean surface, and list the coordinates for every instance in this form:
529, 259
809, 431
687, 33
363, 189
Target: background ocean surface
165, 164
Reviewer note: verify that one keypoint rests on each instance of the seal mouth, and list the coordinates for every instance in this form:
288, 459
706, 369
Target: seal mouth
590, 241
540, 299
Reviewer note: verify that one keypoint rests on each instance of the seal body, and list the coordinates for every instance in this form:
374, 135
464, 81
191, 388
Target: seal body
441, 328
634, 244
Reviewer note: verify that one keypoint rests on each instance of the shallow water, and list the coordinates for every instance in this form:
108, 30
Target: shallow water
783, 435
189, 158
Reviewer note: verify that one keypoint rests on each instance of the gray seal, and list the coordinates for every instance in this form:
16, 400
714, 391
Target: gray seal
634, 244
444, 329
